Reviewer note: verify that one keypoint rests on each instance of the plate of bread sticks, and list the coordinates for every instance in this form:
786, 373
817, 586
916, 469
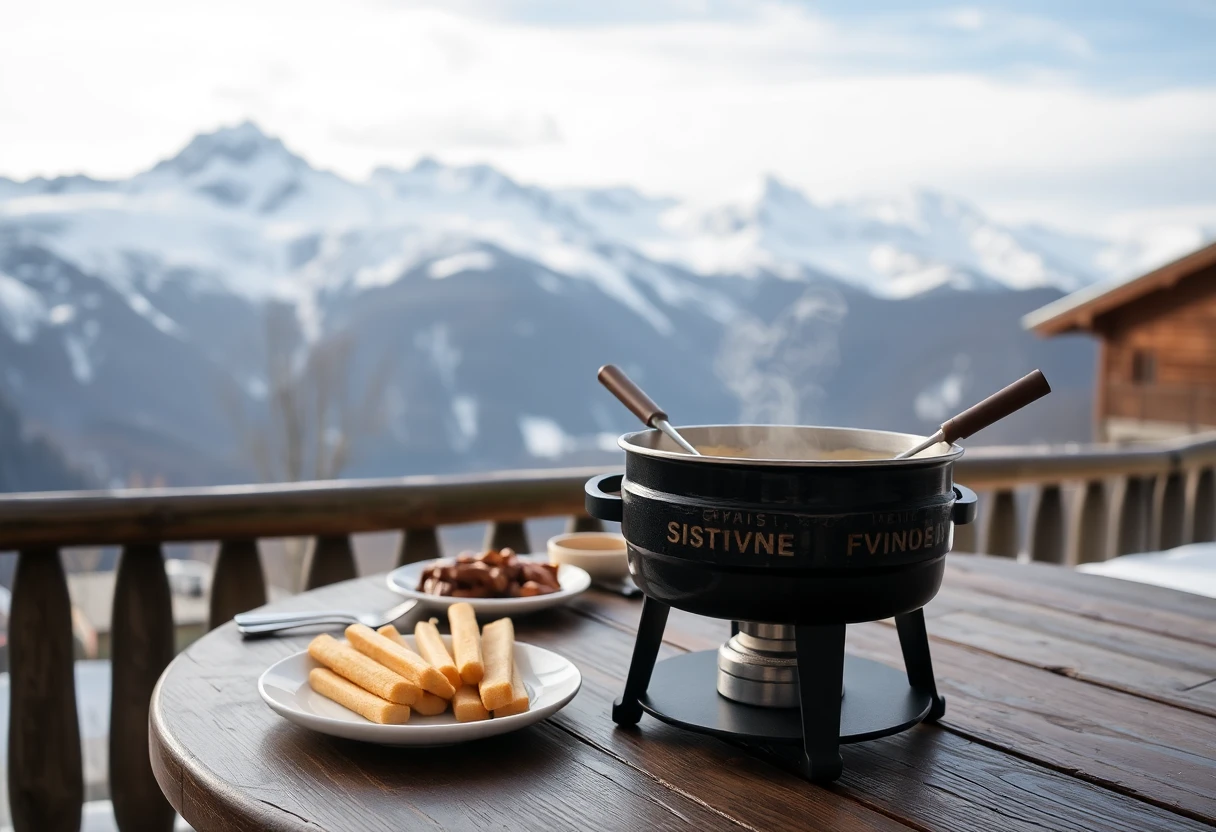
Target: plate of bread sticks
423, 689
495, 582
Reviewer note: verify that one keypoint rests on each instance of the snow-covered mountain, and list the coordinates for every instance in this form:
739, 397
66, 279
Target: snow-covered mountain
130, 310
243, 213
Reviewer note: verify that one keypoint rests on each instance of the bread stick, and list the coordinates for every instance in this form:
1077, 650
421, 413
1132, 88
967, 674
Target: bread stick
352, 697
364, 671
519, 695
466, 643
431, 648
430, 705
466, 705
389, 631
498, 652
394, 655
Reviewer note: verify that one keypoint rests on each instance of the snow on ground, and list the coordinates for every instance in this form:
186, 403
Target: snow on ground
545, 439
78, 354
942, 398
22, 309
436, 342
1189, 568
464, 416
61, 314
469, 261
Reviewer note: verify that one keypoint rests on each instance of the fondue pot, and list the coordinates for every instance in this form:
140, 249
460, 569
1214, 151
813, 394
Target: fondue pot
803, 525
791, 533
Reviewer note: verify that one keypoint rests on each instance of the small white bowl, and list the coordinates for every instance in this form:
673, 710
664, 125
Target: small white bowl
601, 554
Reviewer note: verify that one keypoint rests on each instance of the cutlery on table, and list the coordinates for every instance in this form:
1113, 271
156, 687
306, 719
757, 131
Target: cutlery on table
267, 623
625, 587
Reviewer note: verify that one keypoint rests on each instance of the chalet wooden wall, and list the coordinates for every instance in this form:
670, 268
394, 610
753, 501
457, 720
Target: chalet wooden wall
1177, 326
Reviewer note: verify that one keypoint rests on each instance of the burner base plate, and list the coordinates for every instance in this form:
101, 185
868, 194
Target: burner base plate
877, 702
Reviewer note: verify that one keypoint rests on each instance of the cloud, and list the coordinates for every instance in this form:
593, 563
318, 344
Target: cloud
456, 131
988, 28
697, 103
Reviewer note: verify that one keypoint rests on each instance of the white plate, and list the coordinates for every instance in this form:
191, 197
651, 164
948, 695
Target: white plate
551, 680
572, 580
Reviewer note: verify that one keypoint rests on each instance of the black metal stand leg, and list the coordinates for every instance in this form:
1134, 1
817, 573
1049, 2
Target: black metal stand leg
820, 681
627, 710
914, 642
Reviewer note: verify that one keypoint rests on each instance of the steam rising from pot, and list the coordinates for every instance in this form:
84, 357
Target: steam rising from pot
776, 370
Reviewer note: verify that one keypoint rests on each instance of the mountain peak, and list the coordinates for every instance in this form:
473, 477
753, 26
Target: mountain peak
431, 176
773, 190
427, 164
239, 144
784, 206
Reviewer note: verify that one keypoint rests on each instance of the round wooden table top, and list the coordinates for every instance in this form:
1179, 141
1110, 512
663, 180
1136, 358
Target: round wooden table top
1073, 702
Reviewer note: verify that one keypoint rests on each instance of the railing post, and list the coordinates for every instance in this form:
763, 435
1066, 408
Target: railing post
508, 534
45, 778
966, 538
142, 645
1087, 538
1047, 526
330, 561
1131, 520
1203, 515
1169, 511
1190, 490
583, 523
1001, 530
418, 544
237, 581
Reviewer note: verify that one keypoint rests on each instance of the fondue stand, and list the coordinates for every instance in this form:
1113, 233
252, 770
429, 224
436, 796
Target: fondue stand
784, 688
787, 691
834, 541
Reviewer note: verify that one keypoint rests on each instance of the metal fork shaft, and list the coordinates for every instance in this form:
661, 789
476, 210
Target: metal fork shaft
270, 629
672, 434
253, 619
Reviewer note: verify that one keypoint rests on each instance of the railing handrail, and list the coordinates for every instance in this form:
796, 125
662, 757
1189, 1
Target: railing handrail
1007, 466
342, 506
76, 518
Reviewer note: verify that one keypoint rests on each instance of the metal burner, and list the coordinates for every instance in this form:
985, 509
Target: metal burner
759, 666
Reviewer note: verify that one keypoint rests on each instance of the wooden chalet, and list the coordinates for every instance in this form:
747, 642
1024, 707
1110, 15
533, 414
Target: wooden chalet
1156, 375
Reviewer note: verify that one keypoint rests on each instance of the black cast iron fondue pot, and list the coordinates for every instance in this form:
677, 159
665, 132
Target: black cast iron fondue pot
798, 525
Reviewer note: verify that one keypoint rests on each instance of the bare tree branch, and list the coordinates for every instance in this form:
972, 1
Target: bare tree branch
310, 424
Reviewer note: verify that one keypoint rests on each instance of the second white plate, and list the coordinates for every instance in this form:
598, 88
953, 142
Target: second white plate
572, 579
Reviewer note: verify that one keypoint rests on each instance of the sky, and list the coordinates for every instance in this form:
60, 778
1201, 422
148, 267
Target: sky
1092, 116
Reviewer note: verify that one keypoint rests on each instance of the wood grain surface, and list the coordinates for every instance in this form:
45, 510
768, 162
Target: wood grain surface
1103, 725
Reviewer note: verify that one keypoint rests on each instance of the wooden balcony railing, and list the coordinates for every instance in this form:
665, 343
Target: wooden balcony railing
1183, 404
45, 776
1085, 503
1089, 503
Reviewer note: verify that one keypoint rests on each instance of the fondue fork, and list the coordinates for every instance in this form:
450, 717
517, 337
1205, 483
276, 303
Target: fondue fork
642, 405
1031, 387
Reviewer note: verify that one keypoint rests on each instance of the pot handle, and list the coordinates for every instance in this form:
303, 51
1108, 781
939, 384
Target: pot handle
604, 497
965, 505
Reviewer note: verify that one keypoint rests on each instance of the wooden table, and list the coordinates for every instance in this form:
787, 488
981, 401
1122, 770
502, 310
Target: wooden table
1073, 702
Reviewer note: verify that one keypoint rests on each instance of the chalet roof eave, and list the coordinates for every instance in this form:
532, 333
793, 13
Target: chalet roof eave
1076, 312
